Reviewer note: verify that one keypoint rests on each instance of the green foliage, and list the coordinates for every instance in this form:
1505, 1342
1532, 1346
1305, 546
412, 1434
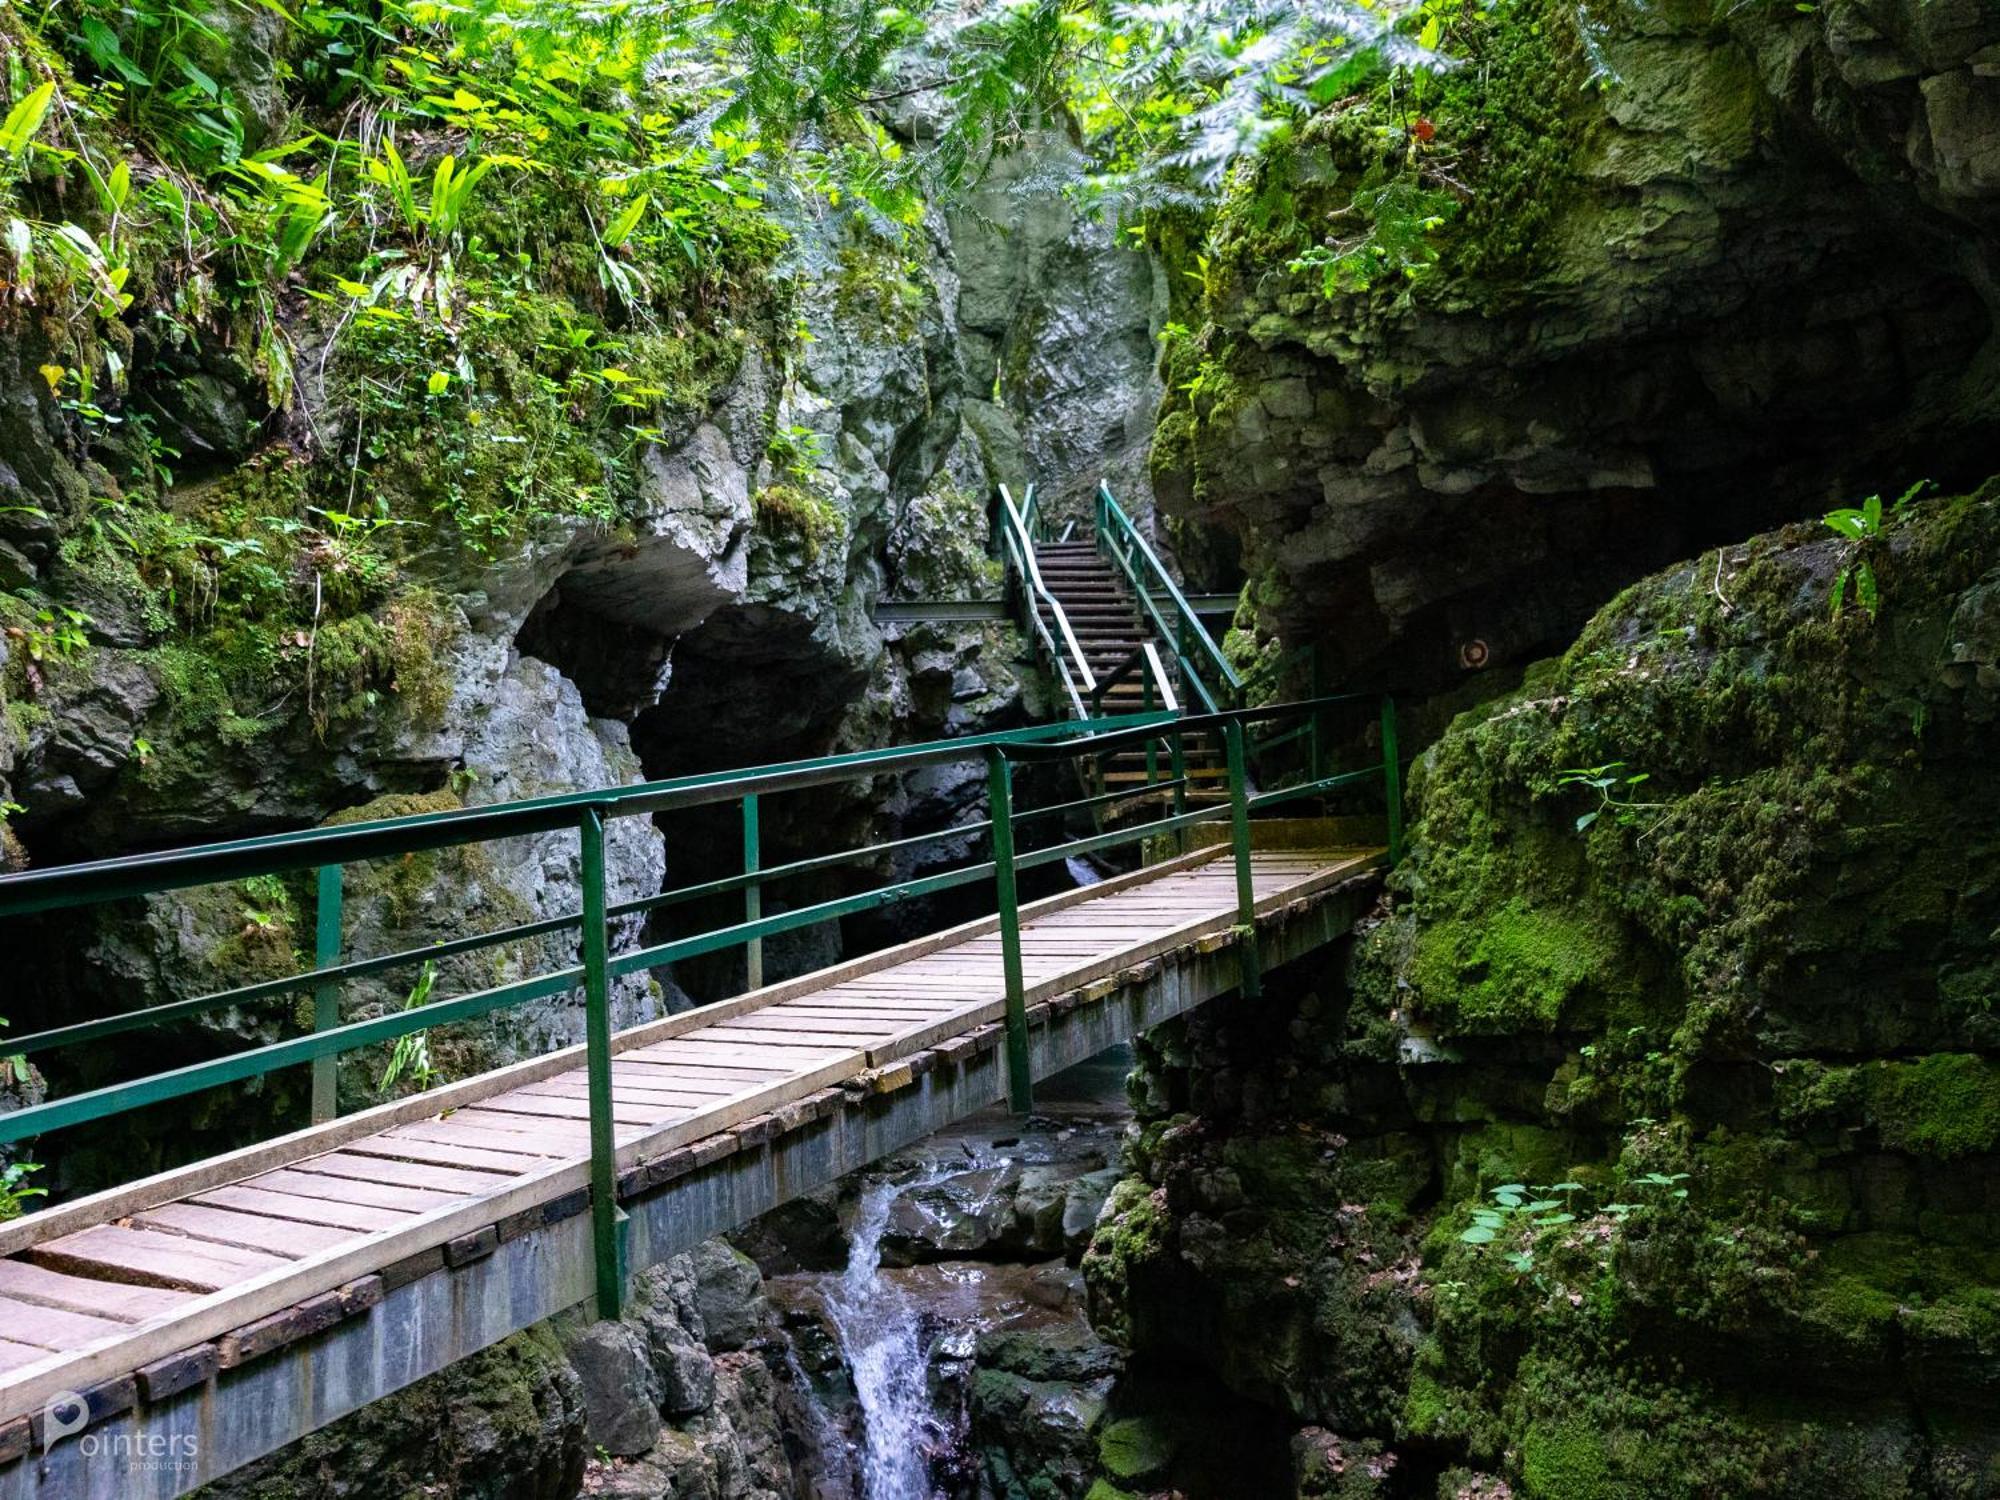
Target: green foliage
15, 1190
1864, 526
787, 512
1613, 785
411, 1056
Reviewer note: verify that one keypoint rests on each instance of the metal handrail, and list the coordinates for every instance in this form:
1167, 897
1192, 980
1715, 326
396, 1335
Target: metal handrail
1144, 656
1018, 533
1123, 543
326, 850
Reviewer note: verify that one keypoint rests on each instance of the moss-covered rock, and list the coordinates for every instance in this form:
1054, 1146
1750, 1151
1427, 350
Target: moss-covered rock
1456, 357
1670, 1059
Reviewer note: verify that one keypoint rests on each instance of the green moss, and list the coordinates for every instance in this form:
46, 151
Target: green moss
878, 285
789, 513
1516, 967
1136, 1449
1945, 1105
1520, 109
1569, 1461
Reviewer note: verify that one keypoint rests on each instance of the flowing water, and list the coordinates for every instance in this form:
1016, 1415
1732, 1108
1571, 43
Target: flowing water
888, 1359
906, 1335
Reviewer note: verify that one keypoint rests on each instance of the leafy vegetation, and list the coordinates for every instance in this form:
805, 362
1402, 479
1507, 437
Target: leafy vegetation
15, 1186
410, 1058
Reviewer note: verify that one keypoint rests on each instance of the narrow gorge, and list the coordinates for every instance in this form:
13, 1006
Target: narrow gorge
412, 408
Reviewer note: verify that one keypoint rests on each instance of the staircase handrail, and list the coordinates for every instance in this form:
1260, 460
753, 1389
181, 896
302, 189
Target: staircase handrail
1143, 661
1018, 538
1193, 646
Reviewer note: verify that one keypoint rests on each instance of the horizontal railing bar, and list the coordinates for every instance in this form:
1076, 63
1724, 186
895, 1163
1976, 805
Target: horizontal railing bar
764, 876
1185, 724
1117, 836
119, 1098
179, 1010
804, 916
1300, 732
106, 880
1373, 775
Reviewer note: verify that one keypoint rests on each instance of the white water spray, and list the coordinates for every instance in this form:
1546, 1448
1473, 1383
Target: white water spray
887, 1359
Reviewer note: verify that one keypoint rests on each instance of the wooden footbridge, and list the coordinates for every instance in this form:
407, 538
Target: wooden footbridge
160, 1334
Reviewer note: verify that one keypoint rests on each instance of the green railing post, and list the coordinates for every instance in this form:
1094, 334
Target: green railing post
1000, 809
1239, 834
1177, 763
753, 896
1392, 780
597, 1047
326, 997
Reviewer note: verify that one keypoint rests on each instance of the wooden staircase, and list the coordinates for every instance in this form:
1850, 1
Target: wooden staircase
1109, 627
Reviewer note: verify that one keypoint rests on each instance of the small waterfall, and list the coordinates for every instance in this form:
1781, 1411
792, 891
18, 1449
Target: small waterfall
888, 1360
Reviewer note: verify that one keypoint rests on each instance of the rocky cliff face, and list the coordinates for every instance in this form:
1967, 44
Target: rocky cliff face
1646, 1145
606, 541
1647, 278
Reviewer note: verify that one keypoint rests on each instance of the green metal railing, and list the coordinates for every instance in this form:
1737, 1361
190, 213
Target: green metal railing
1208, 682
1021, 527
325, 851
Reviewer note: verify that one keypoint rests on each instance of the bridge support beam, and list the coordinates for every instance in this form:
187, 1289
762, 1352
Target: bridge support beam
157, 1441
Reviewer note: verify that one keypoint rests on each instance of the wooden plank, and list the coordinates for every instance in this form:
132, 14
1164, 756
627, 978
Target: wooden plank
881, 1010
345, 1190
25, 1282
540, 1148
281, 1237
150, 1258
824, 1023
354, 1216
660, 1098
787, 1041
393, 1146
53, 1327
682, 1079
575, 1107
401, 1173
565, 1141
732, 1053
704, 1062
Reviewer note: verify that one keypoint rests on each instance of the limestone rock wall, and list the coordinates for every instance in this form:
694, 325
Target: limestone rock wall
1695, 270
1646, 1143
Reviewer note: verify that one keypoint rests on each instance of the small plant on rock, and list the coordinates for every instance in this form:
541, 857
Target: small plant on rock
1613, 785
1864, 526
1515, 1215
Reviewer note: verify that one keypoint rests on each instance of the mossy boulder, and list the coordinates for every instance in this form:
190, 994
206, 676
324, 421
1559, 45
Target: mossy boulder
1651, 1146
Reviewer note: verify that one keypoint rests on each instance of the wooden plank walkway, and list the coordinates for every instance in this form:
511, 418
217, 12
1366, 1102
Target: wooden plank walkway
98, 1289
